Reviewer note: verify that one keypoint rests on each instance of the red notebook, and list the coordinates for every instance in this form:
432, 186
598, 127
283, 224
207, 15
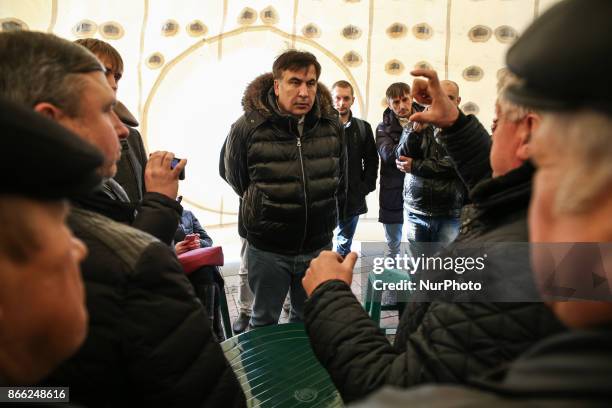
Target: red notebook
192, 260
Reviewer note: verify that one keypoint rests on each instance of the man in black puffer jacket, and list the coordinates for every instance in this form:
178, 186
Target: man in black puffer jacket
285, 158
149, 342
439, 341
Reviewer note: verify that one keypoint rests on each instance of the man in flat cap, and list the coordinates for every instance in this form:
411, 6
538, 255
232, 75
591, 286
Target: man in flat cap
571, 202
149, 340
43, 319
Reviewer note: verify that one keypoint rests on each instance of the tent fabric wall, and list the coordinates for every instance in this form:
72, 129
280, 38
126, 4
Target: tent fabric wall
187, 62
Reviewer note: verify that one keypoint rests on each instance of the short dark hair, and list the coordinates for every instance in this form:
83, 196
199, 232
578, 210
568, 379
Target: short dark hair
294, 60
397, 90
343, 84
99, 47
38, 67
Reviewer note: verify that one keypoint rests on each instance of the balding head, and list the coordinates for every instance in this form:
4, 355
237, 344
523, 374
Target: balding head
451, 89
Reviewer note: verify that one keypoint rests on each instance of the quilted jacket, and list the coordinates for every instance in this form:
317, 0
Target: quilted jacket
289, 183
436, 342
149, 342
570, 369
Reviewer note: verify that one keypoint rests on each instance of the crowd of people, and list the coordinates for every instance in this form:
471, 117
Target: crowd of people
94, 297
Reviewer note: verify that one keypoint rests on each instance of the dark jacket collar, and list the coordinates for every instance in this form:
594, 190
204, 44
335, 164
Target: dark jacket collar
99, 201
392, 123
512, 189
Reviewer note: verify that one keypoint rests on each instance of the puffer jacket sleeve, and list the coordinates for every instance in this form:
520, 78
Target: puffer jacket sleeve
172, 358
350, 346
234, 166
468, 144
159, 216
385, 145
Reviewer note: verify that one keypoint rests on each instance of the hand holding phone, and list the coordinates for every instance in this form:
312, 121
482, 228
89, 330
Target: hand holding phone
160, 175
176, 161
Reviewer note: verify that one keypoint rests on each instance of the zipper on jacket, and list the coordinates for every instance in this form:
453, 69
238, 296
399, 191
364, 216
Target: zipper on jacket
299, 146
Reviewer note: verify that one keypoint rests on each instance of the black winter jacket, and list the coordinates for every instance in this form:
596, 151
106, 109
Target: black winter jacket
149, 341
289, 185
566, 370
390, 199
362, 163
438, 341
156, 214
432, 187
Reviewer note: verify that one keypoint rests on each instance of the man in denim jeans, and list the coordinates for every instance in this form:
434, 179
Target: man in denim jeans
285, 158
362, 164
433, 191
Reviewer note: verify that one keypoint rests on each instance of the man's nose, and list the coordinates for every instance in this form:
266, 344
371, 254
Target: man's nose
303, 90
120, 128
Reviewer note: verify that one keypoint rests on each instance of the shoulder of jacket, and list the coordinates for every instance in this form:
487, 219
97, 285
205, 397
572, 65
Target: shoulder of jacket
123, 241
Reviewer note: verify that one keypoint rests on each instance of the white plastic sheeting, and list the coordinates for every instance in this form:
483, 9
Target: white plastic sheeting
187, 62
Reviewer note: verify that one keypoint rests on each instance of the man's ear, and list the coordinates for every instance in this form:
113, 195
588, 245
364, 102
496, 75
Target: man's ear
276, 83
50, 111
529, 124
458, 100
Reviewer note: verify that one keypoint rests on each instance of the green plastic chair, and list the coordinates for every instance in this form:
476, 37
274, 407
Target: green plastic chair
372, 302
276, 367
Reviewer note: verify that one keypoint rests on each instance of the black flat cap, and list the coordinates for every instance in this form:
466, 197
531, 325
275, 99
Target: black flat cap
565, 58
41, 159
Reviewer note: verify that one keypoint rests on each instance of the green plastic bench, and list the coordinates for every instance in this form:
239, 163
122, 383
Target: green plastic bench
277, 368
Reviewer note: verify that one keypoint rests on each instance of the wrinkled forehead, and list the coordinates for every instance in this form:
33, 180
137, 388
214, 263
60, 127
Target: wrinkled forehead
304, 74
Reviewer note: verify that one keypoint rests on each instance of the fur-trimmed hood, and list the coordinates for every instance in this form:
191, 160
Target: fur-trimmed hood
255, 98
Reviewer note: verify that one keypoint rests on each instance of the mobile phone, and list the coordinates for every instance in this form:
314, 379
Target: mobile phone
176, 161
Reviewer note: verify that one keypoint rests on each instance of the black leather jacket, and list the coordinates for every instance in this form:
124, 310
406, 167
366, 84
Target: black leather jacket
432, 187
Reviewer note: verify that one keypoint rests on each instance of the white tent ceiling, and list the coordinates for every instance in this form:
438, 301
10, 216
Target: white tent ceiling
187, 61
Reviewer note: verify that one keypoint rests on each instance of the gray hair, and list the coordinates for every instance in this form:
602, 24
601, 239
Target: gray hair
511, 111
584, 138
36, 67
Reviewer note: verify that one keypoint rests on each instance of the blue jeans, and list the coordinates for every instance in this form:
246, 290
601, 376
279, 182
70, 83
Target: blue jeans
271, 275
438, 232
346, 230
393, 236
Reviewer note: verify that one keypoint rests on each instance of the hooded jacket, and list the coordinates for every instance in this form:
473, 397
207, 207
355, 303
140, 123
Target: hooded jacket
289, 185
390, 200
